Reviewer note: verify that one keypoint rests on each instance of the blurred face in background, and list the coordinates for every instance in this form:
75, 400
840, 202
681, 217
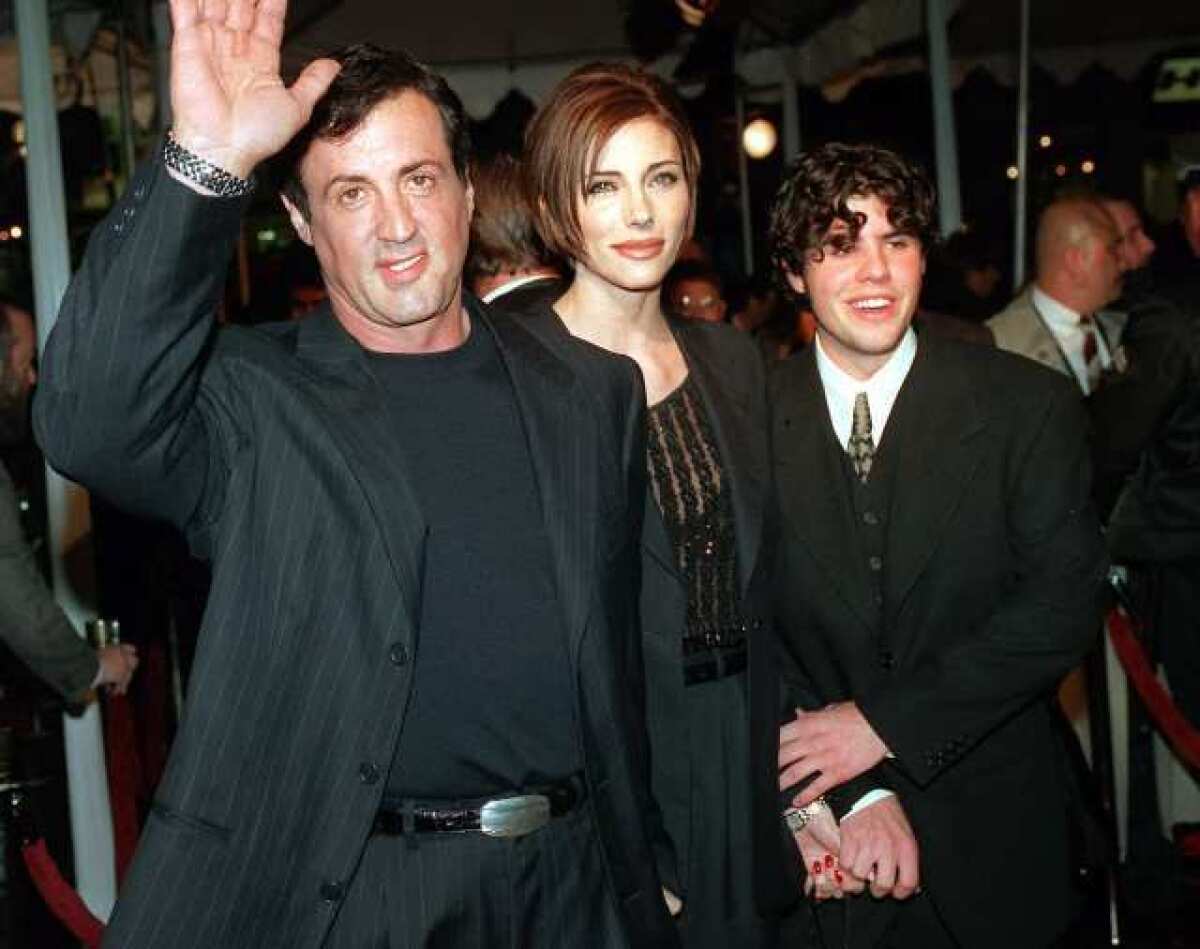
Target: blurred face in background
17, 376
1135, 248
635, 211
697, 299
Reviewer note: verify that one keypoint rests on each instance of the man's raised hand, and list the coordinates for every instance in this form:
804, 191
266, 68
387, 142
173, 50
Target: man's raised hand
228, 100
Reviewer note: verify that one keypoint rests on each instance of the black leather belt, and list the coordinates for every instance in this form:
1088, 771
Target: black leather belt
713, 664
511, 815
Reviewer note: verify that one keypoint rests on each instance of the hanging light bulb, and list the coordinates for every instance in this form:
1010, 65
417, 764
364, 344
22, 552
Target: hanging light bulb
759, 138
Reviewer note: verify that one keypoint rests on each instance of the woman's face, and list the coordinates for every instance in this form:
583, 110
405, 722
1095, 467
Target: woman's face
635, 210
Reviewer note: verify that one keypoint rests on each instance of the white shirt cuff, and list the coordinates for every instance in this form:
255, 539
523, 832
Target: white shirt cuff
871, 797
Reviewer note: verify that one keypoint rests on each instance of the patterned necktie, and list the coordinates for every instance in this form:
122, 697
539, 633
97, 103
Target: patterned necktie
861, 446
1091, 352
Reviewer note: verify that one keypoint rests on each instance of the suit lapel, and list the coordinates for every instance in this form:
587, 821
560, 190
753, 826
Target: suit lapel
356, 416
562, 436
811, 481
939, 427
741, 443
655, 540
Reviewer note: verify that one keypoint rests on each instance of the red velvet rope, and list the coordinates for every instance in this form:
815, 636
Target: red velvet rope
1179, 732
59, 895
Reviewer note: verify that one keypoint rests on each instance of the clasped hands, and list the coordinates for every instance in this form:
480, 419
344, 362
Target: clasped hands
874, 847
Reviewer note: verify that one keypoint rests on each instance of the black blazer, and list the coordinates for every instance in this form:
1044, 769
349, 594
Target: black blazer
993, 571
273, 449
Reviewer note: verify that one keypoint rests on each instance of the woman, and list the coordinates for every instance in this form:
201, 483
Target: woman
612, 171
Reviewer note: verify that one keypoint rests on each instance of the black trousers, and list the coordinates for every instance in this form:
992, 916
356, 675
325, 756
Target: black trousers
546, 890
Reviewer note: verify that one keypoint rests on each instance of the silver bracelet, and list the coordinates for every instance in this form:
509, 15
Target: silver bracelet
797, 818
202, 172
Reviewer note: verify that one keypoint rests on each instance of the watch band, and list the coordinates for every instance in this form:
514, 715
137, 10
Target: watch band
797, 818
202, 172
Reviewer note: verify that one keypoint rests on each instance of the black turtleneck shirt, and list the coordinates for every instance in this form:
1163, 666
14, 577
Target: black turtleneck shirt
491, 708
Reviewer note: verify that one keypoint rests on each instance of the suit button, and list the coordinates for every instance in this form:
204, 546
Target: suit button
398, 654
332, 891
887, 660
875, 563
139, 192
368, 773
870, 518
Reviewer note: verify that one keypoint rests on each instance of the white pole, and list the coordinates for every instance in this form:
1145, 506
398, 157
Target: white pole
945, 141
744, 187
1022, 198
791, 109
66, 503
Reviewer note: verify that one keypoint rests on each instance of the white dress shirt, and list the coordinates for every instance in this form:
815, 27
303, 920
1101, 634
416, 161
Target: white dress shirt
841, 388
1063, 324
512, 285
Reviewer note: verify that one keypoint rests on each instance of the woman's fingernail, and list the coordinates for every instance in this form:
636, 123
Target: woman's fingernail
828, 860
817, 866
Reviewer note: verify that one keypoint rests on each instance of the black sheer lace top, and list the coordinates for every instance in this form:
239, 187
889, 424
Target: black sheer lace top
692, 493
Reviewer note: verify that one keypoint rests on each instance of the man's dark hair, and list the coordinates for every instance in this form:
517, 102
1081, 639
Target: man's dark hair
817, 187
503, 234
692, 269
368, 76
1189, 179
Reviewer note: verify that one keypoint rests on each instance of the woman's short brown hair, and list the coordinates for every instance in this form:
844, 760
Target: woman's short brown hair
572, 127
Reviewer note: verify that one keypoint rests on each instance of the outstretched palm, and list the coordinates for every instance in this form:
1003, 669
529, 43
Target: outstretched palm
229, 102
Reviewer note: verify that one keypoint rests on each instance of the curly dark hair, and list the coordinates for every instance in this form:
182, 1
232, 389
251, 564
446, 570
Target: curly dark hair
820, 182
368, 76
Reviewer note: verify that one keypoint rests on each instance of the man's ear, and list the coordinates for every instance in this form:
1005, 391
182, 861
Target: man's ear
796, 282
299, 221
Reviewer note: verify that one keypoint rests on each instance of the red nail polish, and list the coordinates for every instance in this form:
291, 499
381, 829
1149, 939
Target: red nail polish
828, 860
817, 866
837, 875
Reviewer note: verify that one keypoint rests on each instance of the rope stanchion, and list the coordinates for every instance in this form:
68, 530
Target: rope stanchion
59, 895
1179, 732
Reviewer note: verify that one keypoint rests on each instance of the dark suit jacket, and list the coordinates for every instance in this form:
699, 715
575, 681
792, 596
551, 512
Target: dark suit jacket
993, 571
532, 296
273, 449
1146, 443
31, 623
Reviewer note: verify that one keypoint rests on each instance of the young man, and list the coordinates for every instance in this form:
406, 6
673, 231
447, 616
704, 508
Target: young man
939, 569
413, 714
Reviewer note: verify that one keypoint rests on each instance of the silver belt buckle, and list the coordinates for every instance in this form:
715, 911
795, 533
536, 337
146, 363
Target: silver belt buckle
514, 816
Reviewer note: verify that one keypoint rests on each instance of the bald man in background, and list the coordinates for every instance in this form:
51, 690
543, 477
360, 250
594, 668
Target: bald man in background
1058, 320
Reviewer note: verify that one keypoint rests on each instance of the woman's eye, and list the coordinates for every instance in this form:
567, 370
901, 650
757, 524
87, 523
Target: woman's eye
600, 187
665, 179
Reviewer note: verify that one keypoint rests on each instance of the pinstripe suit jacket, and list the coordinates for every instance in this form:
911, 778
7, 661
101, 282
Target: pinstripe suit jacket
272, 449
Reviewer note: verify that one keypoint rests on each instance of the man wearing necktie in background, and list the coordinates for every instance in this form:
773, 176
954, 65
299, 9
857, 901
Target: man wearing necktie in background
939, 569
1059, 320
